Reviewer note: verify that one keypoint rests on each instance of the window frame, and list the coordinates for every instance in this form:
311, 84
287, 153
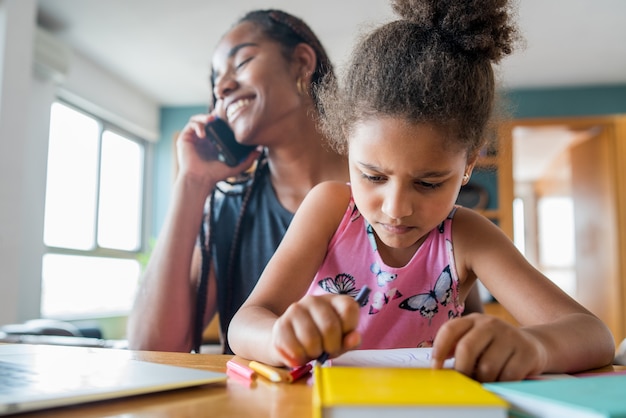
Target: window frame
144, 222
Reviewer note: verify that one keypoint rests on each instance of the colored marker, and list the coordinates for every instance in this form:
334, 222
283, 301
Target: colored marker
240, 369
361, 298
299, 372
273, 374
236, 377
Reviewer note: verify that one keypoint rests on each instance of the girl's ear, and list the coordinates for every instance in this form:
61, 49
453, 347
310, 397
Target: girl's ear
469, 167
305, 61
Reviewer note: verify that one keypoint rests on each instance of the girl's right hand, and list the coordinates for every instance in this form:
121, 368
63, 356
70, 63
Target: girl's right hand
313, 325
197, 156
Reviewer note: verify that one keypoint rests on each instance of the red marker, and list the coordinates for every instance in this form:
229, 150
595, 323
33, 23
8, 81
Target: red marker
299, 372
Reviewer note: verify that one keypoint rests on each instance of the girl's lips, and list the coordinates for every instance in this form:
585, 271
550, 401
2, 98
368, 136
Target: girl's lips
396, 229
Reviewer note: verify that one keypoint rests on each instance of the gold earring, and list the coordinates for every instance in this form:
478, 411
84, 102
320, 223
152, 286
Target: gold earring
301, 86
466, 178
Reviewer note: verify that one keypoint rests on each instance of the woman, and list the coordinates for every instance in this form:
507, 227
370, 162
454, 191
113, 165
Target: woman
263, 72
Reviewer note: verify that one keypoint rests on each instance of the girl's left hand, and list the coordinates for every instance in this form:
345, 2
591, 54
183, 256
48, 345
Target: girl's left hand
488, 349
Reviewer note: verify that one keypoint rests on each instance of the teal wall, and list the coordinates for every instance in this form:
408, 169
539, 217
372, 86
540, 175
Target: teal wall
173, 119
523, 103
554, 103
566, 102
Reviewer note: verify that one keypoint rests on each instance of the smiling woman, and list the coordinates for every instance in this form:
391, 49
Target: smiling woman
264, 72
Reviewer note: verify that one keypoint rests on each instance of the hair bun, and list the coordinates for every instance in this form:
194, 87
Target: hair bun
476, 27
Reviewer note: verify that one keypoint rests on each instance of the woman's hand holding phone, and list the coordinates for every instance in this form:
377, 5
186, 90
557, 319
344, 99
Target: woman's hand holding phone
229, 151
198, 156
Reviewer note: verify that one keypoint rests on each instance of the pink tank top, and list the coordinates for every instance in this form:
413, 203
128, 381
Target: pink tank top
407, 305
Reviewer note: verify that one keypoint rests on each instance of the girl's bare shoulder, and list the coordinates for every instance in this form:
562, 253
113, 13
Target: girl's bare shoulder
334, 190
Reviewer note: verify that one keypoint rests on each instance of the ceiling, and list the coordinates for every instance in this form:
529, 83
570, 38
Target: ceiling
163, 48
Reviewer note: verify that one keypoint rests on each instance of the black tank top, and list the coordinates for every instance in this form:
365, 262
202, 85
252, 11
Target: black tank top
264, 225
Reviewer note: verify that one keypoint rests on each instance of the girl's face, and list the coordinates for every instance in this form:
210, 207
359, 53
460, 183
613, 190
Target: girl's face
254, 85
405, 181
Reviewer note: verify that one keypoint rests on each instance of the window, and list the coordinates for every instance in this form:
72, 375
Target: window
557, 241
93, 229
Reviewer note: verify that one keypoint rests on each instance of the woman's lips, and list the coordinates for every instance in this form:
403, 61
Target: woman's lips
233, 109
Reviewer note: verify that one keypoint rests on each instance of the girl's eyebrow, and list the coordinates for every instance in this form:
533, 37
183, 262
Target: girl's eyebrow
425, 174
368, 166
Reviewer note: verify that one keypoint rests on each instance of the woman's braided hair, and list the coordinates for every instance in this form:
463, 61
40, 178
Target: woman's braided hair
288, 31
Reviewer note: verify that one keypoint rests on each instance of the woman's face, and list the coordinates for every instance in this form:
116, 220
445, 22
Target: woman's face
254, 85
404, 179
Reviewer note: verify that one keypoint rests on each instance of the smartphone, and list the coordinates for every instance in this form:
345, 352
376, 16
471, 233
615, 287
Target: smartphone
229, 151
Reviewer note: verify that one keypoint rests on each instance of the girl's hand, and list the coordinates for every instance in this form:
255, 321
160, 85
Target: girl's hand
488, 349
197, 156
313, 325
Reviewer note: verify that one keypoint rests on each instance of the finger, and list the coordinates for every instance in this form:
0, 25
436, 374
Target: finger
515, 368
351, 341
202, 118
287, 359
329, 325
198, 124
525, 361
470, 352
491, 361
285, 337
447, 337
192, 131
348, 310
317, 325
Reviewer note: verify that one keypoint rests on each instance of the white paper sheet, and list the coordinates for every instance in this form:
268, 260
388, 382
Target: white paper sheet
397, 357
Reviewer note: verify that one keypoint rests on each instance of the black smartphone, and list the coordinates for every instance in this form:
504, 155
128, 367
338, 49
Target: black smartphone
229, 150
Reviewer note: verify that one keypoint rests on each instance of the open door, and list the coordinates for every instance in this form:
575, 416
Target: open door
595, 189
597, 186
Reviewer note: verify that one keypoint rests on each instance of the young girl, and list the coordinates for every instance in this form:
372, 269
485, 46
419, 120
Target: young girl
412, 115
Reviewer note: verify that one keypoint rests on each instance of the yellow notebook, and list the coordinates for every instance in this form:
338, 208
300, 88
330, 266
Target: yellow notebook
366, 392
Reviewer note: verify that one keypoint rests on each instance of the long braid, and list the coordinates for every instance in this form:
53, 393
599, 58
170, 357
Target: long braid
206, 248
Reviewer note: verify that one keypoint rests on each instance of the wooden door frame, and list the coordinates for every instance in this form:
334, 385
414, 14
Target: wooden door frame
614, 131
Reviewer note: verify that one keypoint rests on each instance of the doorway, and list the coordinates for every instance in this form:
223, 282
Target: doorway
569, 203
543, 206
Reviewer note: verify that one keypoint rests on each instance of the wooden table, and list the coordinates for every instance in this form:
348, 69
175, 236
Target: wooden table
231, 399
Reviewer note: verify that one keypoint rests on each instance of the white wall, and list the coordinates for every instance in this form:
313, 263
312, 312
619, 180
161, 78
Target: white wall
16, 21
25, 99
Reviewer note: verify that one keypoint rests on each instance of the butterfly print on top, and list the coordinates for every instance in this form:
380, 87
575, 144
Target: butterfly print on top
382, 277
428, 303
342, 284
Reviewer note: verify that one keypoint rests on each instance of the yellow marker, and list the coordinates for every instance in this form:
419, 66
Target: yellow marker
271, 373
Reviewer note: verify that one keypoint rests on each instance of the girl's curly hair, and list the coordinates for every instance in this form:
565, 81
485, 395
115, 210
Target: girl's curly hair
433, 65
